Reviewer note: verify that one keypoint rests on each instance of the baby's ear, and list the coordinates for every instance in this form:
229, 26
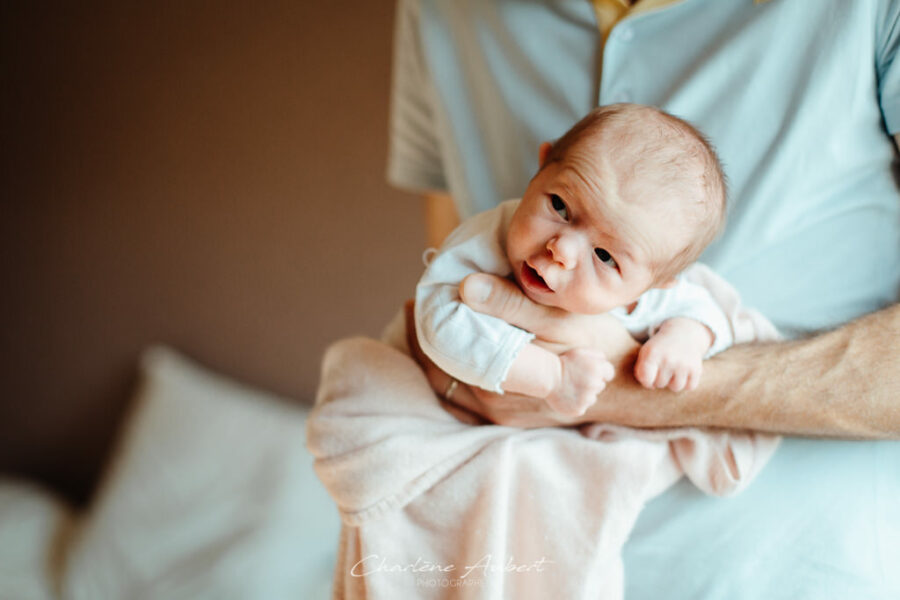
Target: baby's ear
667, 284
543, 153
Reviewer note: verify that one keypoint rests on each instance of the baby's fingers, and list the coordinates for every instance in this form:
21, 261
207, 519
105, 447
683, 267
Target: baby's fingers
664, 376
693, 380
606, 371
679, 380
645, 372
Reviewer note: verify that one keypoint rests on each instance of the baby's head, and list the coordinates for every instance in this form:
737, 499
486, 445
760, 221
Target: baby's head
621, 203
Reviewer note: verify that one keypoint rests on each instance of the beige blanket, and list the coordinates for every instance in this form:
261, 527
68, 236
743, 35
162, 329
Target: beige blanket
433, 508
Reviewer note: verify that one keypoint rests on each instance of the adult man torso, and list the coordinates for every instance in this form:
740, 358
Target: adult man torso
787, 90
798, 97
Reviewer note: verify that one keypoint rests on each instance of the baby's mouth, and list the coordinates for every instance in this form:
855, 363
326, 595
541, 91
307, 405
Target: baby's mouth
531, 278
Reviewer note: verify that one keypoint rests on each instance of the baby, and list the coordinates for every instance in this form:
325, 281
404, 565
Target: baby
621, 204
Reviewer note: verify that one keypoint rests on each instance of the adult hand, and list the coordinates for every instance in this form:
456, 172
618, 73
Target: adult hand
774, 387
555, 329
474, 405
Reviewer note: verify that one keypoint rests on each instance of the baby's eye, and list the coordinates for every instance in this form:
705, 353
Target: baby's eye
606, 258
559, 206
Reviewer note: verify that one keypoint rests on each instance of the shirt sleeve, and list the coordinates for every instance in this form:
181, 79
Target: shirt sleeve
414, 151
692, 301
475, 348
888, 69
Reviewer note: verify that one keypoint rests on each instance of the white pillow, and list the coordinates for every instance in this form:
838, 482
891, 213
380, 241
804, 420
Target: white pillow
33, 527
211, 495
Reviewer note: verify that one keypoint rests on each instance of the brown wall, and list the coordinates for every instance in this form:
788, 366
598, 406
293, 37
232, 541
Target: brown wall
204, 174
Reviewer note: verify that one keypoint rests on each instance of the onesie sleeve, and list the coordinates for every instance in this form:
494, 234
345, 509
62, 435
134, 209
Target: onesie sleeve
414, 151
693, 301
475, 348
888, 68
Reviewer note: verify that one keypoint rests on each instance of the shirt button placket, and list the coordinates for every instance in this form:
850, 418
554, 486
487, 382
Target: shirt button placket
619, 36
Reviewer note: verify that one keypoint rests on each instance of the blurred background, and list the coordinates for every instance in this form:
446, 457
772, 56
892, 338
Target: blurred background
208, 175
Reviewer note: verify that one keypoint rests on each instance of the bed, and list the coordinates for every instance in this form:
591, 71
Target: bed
210, 493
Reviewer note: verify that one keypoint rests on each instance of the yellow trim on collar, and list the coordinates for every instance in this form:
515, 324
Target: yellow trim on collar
647, 5
610, 12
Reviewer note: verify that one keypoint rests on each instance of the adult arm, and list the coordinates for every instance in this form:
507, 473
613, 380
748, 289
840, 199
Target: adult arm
488, 352
440, 217
842, 383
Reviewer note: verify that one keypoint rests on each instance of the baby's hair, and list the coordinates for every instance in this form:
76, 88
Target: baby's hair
667, 152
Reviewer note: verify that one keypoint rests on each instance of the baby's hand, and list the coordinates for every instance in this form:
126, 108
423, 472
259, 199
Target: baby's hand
673, 358
583, 374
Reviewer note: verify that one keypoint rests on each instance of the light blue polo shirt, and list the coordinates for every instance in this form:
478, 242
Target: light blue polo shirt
798, 97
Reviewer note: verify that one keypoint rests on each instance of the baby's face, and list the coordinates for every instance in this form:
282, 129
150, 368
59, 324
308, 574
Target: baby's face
576, 244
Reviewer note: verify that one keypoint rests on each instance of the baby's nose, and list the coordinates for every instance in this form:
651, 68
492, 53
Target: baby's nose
563, 250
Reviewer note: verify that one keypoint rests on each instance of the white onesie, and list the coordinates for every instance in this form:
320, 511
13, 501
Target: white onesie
479, 349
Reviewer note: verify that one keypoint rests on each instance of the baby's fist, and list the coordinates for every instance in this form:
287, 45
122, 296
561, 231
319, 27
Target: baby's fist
584, 373
664, 363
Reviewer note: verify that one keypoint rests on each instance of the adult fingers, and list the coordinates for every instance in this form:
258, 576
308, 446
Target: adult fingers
463, 415
411, 339
556, 329
503, 299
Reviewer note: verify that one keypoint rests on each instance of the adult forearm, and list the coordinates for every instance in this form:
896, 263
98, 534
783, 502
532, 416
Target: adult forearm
843, 383
440, 216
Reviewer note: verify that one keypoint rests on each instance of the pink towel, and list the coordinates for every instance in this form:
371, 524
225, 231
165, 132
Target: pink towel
433, 508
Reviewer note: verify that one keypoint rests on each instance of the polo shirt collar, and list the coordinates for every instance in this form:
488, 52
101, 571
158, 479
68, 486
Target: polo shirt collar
610, 12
